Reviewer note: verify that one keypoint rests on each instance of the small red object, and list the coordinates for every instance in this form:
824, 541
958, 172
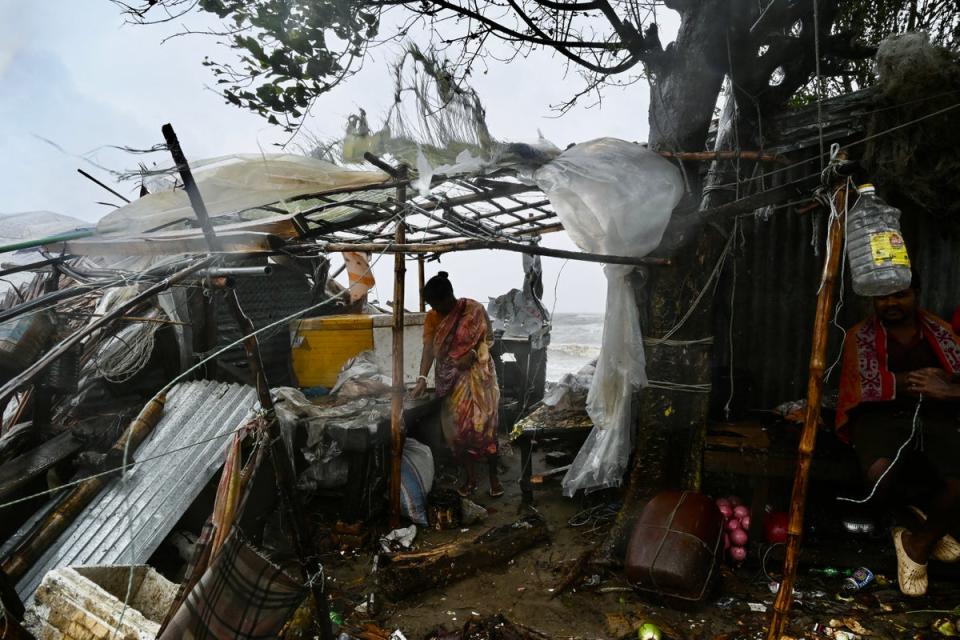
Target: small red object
744, 522
738, 537
741, 511
738, 554
775, 527
733, 524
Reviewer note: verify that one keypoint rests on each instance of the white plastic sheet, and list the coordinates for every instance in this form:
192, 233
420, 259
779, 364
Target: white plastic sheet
615, 198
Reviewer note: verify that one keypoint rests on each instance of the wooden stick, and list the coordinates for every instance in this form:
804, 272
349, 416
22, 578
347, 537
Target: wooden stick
196, 201
781, 606
473, 245
704, 156
97, 182
283, 469
421, 282
396, 405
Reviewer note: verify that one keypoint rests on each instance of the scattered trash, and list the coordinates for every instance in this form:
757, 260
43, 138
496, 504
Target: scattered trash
398, 539
831, 572
471, 512
757, 607
592, 581
861, 578
648, 631
851, 624
945, 627
725, 602
398, 635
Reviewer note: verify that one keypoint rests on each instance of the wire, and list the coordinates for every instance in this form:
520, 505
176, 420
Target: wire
817, 81
913, 432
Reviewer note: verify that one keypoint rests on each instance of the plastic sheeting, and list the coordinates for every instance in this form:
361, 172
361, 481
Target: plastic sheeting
615, 198
231, 184
520, 313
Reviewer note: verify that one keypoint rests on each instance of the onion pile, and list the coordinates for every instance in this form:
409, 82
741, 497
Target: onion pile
736, 523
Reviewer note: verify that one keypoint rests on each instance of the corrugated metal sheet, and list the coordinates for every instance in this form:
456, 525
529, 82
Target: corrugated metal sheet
778, 275
153, 496
778, 272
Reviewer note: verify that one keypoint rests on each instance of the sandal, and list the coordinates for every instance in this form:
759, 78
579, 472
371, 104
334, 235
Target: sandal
496, 493
912, 576
947, 548
467, 490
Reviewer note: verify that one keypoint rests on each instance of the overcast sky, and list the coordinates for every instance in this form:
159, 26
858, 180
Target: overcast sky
74, 79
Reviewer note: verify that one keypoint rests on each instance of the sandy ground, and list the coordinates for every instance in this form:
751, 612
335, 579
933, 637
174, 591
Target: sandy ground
604, 607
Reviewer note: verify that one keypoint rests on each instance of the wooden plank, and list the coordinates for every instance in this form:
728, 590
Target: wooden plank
21, 470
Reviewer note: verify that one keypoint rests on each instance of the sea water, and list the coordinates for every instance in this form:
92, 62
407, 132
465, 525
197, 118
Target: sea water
574, 341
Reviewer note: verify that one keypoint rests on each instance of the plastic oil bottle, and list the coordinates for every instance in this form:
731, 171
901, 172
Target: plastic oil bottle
879, 264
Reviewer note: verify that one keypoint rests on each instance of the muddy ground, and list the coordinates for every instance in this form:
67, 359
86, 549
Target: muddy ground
603, 606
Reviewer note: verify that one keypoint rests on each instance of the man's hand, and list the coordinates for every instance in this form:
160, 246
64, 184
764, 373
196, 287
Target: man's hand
420, 389
933, 383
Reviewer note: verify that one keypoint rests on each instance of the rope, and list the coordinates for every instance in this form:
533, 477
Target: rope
120, 358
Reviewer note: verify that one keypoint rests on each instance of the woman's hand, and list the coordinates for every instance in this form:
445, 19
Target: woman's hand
420, 389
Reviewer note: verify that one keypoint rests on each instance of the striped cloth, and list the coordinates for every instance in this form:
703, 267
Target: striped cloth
242, 595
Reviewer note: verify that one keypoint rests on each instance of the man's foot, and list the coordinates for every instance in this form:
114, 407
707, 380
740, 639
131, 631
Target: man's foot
947, 548
911, 575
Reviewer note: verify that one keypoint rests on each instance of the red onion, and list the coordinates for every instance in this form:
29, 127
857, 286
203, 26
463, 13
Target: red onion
733, 524
723, 501
726, 510
745, 522
738, 537
741, 511
738, 554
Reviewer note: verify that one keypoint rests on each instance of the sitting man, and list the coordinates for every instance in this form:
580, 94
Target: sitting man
898, 406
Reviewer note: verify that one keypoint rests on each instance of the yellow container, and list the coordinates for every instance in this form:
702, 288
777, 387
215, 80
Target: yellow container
321, 346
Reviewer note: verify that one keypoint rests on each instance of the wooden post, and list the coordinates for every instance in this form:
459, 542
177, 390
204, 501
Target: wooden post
396, 406
282, 469
196, 201
421, 282
798, 499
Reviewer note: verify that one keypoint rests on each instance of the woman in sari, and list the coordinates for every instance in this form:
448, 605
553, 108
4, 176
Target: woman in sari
457, 338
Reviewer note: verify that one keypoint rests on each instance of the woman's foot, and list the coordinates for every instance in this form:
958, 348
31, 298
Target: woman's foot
911, 575
496, 489
467, 489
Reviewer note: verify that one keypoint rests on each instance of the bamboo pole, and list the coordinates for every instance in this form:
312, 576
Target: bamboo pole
473, 245
396, 404
283, 469
29, 551
421, 282
798, 499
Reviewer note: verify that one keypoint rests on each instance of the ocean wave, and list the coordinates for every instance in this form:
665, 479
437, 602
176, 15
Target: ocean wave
585, 351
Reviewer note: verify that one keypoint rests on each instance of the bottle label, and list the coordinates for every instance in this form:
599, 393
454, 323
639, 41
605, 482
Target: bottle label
887, 248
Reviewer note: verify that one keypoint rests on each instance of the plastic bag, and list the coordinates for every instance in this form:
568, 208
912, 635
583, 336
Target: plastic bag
615, 198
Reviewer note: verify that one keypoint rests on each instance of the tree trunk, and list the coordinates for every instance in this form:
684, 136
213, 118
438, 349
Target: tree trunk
683, 96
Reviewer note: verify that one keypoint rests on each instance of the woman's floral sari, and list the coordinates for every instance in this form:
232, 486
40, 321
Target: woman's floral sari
471, 395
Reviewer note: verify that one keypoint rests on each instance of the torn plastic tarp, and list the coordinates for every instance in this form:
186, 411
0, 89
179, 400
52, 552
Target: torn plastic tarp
231, 184
613, 197
519, 313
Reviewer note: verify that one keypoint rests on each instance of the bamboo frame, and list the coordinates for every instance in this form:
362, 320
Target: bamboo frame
798, 499
473, 245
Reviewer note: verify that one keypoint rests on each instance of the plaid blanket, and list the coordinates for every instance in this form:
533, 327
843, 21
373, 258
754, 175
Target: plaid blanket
241, 595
